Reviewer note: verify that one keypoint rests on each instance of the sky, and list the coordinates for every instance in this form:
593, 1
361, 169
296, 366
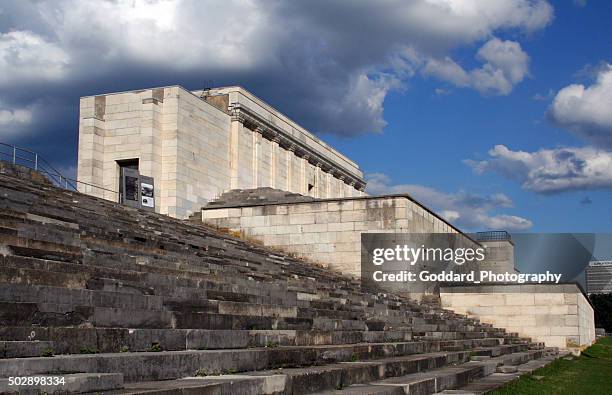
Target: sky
497, 114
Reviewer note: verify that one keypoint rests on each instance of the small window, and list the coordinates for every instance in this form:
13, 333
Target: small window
310, 187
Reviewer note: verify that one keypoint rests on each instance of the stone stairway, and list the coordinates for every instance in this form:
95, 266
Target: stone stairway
121, 300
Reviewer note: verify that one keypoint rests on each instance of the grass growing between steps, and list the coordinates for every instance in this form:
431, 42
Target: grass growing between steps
590, 373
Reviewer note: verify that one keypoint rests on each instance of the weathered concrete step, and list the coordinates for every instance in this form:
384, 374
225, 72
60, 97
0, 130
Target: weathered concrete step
72, 340
499, 350
426, 382
78, 297
144, 366
75, 383
21, 349
496, 380
228, 384
40, 249
50, 314
434, 380
38, 271
323, 378
32, 271
456, 335
289, 381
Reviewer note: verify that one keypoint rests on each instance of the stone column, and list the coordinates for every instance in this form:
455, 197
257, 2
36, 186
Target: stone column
234, 137
289, 154
256, 149
273, 160
318, 192
150, 163
91, 145
303, 182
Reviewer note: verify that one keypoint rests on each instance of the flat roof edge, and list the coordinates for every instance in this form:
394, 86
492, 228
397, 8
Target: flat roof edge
246, 92
327, 200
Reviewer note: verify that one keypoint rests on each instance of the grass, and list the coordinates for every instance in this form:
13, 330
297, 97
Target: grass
590, 373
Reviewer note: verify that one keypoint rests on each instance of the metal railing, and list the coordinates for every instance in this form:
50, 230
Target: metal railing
32, 160
493, 235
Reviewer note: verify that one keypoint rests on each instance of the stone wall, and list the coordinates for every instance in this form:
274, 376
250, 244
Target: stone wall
195, 150
327, 231
556, 314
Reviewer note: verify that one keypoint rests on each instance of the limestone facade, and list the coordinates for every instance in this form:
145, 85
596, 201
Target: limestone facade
328, 231
197, 145
557, 314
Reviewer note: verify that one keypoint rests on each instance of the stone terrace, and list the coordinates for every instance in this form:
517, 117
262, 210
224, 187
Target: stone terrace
118, 300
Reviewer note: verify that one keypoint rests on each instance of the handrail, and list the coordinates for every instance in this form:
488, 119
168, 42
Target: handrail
493, 235
31, 160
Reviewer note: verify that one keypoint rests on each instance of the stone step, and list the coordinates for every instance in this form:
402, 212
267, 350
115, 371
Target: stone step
71, 340
230, 385
25, 293
103, 277
145, 366
498, 379
74, 383
32, 271
313, 379
306, 380
78, 297
498, 350
24, 348
457, 335
433, 380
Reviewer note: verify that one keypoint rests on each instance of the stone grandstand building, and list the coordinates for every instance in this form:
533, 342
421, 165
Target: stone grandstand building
197, 145
242, 164
125, 299
226, 158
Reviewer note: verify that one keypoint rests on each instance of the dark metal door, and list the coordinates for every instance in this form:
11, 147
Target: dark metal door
130, 187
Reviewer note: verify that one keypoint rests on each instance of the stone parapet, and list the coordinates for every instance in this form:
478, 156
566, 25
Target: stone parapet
557, 314
326, 231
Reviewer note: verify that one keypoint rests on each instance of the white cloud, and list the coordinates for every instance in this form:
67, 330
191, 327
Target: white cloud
27, 56
14, 116
551, 170
543, 97
336, 60
587, 111
14, 120
505, 65
468, 211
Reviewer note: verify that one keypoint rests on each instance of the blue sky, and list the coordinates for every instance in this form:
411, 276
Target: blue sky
497, 114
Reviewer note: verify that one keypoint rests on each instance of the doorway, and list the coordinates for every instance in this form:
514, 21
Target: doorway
128, 182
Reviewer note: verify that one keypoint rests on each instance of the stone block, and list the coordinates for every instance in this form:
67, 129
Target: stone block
546, 299
519, 299
200, 339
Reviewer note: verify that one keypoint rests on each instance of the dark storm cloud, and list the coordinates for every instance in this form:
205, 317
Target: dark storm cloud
329, 65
